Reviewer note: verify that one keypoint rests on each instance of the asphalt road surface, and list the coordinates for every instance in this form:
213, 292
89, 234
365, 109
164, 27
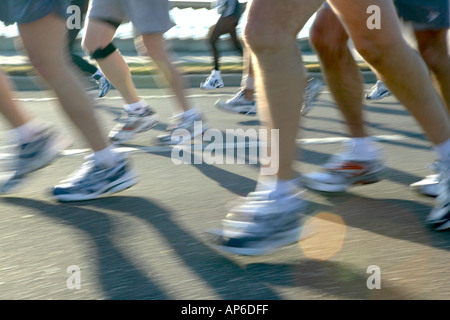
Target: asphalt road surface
148, 242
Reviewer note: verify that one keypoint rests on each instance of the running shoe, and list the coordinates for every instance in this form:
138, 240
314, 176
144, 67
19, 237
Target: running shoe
342, 171
260, 225
214, 81
31, 156
313, 89
94, 180
179, 125
429, 185
103, 84
439, 217
133, 124
238, 104
378, 91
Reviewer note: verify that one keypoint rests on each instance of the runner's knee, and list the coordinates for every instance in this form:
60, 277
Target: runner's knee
102, 52
435, 55
260, 38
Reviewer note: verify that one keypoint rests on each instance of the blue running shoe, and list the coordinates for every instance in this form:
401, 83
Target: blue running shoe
103, 84
94, 180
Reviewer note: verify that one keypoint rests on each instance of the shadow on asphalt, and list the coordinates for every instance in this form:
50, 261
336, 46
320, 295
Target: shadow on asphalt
120, 278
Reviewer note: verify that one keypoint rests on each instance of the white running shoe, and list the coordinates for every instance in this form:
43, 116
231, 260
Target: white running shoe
439, 217
94, 180
378, 91
214, 81
429, 185
184, 122
260, 225
133, 124
342, 171
313, 89
238, 104
30, 156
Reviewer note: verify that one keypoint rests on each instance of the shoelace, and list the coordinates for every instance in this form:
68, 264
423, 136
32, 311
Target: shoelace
237, 96
83, 172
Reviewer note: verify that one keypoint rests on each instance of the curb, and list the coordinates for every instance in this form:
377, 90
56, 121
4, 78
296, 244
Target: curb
35, 83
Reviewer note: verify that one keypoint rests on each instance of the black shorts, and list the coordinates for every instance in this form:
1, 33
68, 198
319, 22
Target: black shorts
425, 14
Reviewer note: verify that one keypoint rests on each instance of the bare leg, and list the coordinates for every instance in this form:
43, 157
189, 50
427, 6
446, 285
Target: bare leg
386, 50
248, 76
434, 50
44, 41
154, 44
270, 34
223, 26
11, 110
98, 35
329, 38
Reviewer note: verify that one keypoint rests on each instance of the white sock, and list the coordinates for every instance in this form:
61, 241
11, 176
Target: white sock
363, 148
216, 73
106, 156
443, 151
191, 112
25, 132
139, 107
276, 187
248, 82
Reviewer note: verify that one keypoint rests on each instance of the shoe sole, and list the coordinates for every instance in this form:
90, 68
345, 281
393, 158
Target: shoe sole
429, 190
170, 143
442, 227
266, 246
384, 95
218, 87
104, 93
326, 187
236, 110
150, 124
124, 183
427, 187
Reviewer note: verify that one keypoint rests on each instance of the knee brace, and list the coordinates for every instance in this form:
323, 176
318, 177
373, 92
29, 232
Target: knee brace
103, 53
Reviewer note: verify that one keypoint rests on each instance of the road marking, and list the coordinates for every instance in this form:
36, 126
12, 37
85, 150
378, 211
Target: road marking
167, 96
192, 96
250, 144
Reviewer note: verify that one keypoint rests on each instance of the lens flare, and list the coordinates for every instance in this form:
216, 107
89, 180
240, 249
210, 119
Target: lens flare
323, 236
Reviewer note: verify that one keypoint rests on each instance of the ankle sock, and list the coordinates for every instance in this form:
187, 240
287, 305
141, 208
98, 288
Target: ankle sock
443, 151
363, 148
107, 156
139, 107
26, 131
276, 187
